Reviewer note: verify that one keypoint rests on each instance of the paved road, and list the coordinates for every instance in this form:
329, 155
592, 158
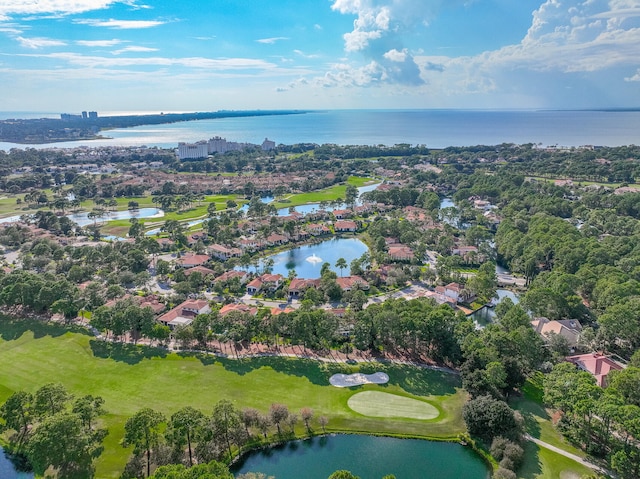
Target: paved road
564, 453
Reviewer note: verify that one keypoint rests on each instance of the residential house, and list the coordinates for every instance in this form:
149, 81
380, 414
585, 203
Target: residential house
454, 291
243, 276
192, 260
252, 244
184, 313
345, 226
597, 364
267, 281
342, 214
224, 252
352, 282
278, 311
199, 269
276, 239
318, 229
568, 328
243, 308
300, 285
400, 253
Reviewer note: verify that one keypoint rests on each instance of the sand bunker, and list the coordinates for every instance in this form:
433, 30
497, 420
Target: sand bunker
358, 379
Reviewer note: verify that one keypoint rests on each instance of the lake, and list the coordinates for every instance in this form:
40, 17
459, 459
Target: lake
8, 471
82, 219
368, 457
307, 260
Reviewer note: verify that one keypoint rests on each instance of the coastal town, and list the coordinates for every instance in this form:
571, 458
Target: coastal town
350, 256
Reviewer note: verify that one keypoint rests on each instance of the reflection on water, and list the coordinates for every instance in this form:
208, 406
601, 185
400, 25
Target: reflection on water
366, 457
8, 470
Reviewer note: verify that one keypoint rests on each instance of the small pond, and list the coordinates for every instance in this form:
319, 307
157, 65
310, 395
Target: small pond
8, 471
307, 260
82, 219
368, 457
484, 316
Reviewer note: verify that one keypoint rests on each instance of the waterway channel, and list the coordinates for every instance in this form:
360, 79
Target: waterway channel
368, 457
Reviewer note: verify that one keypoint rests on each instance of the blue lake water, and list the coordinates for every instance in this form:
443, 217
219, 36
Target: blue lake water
433, 128
307, 260
82, 219
8, 471
368, 457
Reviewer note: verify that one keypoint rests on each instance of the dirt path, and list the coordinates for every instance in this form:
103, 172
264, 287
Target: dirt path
566, 454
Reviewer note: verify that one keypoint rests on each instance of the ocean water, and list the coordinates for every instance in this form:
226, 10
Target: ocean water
433, 128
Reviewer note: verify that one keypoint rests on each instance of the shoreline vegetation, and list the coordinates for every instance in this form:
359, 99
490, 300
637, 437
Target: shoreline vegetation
52, 130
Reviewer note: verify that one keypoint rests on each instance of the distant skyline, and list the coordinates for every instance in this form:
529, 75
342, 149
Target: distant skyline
165, 55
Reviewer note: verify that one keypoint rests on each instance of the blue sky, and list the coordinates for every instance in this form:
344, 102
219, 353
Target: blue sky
169, 55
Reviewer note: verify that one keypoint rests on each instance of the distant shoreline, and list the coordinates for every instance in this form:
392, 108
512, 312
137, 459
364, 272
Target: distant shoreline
38, 131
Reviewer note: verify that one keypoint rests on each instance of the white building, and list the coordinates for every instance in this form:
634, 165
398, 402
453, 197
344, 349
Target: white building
197, 150
267, 145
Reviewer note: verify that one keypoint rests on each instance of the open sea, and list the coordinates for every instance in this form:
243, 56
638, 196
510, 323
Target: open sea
433, 128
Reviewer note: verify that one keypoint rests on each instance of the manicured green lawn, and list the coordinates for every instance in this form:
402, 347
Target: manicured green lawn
130, 378
382, 404
328, 194
541, 463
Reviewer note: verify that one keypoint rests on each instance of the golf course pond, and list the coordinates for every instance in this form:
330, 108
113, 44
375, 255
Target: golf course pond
369, 457
8, 470
307, 260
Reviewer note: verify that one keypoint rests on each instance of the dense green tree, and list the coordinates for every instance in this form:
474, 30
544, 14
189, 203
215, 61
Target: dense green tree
184, 427
17, 414
487, 418
61, 442
142, 431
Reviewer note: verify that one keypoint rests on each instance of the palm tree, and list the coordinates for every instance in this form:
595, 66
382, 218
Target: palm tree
342, 264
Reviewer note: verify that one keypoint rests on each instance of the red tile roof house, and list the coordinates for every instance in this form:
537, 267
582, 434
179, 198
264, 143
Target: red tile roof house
299, 285
199, 269
229, 275
597, 364
340, 214
317, 230
223, 252
400, 253
243, 308
453, 291
342, 226
276, 239
252, 244
350, 282
183, 314
191, 260
266, 281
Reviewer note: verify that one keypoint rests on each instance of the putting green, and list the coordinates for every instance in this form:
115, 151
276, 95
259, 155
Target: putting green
380, 404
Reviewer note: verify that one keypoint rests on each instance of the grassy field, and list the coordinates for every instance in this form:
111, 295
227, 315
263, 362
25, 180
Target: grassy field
541, 463
130, 378
328, 194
